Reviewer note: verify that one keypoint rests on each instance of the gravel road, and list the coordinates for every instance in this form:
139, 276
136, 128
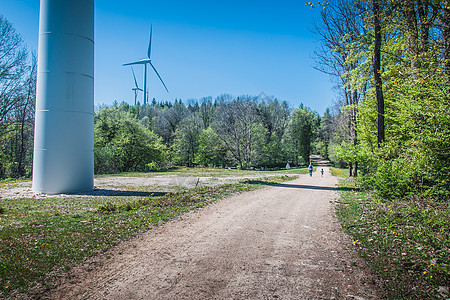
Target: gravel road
279, 242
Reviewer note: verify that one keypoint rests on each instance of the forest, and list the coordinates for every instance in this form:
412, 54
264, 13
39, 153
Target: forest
390, 124
391, 62
244, 132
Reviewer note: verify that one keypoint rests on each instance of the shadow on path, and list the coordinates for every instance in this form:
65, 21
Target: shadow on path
107, 192
313, 187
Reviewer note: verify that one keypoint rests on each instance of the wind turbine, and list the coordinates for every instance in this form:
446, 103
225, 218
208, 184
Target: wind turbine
136, 88
144, 62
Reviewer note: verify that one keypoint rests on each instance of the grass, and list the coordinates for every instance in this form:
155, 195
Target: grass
39, 237
12, 180
406, 242
339, 172
186, 171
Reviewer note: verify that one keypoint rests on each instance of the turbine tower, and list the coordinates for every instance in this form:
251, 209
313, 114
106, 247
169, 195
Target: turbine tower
144, 62
136, 88
63, 160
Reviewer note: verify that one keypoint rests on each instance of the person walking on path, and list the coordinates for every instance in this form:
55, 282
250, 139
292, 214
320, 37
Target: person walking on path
310, 169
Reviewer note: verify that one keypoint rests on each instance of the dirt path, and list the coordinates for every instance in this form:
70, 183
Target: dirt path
278, 242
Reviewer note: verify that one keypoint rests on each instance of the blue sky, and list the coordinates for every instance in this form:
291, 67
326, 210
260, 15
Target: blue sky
200, 48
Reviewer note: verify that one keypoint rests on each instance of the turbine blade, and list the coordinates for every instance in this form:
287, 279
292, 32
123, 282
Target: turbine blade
134, 76
135, 63
159, 76
149, 51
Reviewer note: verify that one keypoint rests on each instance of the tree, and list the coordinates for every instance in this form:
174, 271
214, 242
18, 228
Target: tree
168, 120
206, 111
17, 94
237, 125
274, 115
396, 59
344, 39
377, 69
211, 150
13, 68
24, 124
148, 115
122, 144
303, 128
325, 133
186, 143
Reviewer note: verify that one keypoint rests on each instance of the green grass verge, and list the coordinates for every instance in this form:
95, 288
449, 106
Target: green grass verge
406, 242
185, 171
339, 172
43, 236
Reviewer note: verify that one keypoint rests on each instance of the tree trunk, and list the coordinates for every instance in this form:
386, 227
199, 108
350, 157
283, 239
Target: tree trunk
354, 131
423, 9
355, 169
22, 151
409, 13
377, 70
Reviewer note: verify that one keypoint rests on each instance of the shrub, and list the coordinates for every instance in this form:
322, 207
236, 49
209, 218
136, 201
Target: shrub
122, 144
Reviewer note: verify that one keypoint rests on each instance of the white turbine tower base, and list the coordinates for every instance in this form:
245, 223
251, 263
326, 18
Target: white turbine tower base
64, 126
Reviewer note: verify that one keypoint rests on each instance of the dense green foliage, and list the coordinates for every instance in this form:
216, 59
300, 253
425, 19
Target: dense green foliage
303, 127
122, 144
415, 70
244, 132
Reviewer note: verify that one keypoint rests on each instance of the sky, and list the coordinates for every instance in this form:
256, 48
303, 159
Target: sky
200, 48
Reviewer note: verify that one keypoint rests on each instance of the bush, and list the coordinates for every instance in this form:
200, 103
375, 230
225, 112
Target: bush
104, 162
402, 171
122, 144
